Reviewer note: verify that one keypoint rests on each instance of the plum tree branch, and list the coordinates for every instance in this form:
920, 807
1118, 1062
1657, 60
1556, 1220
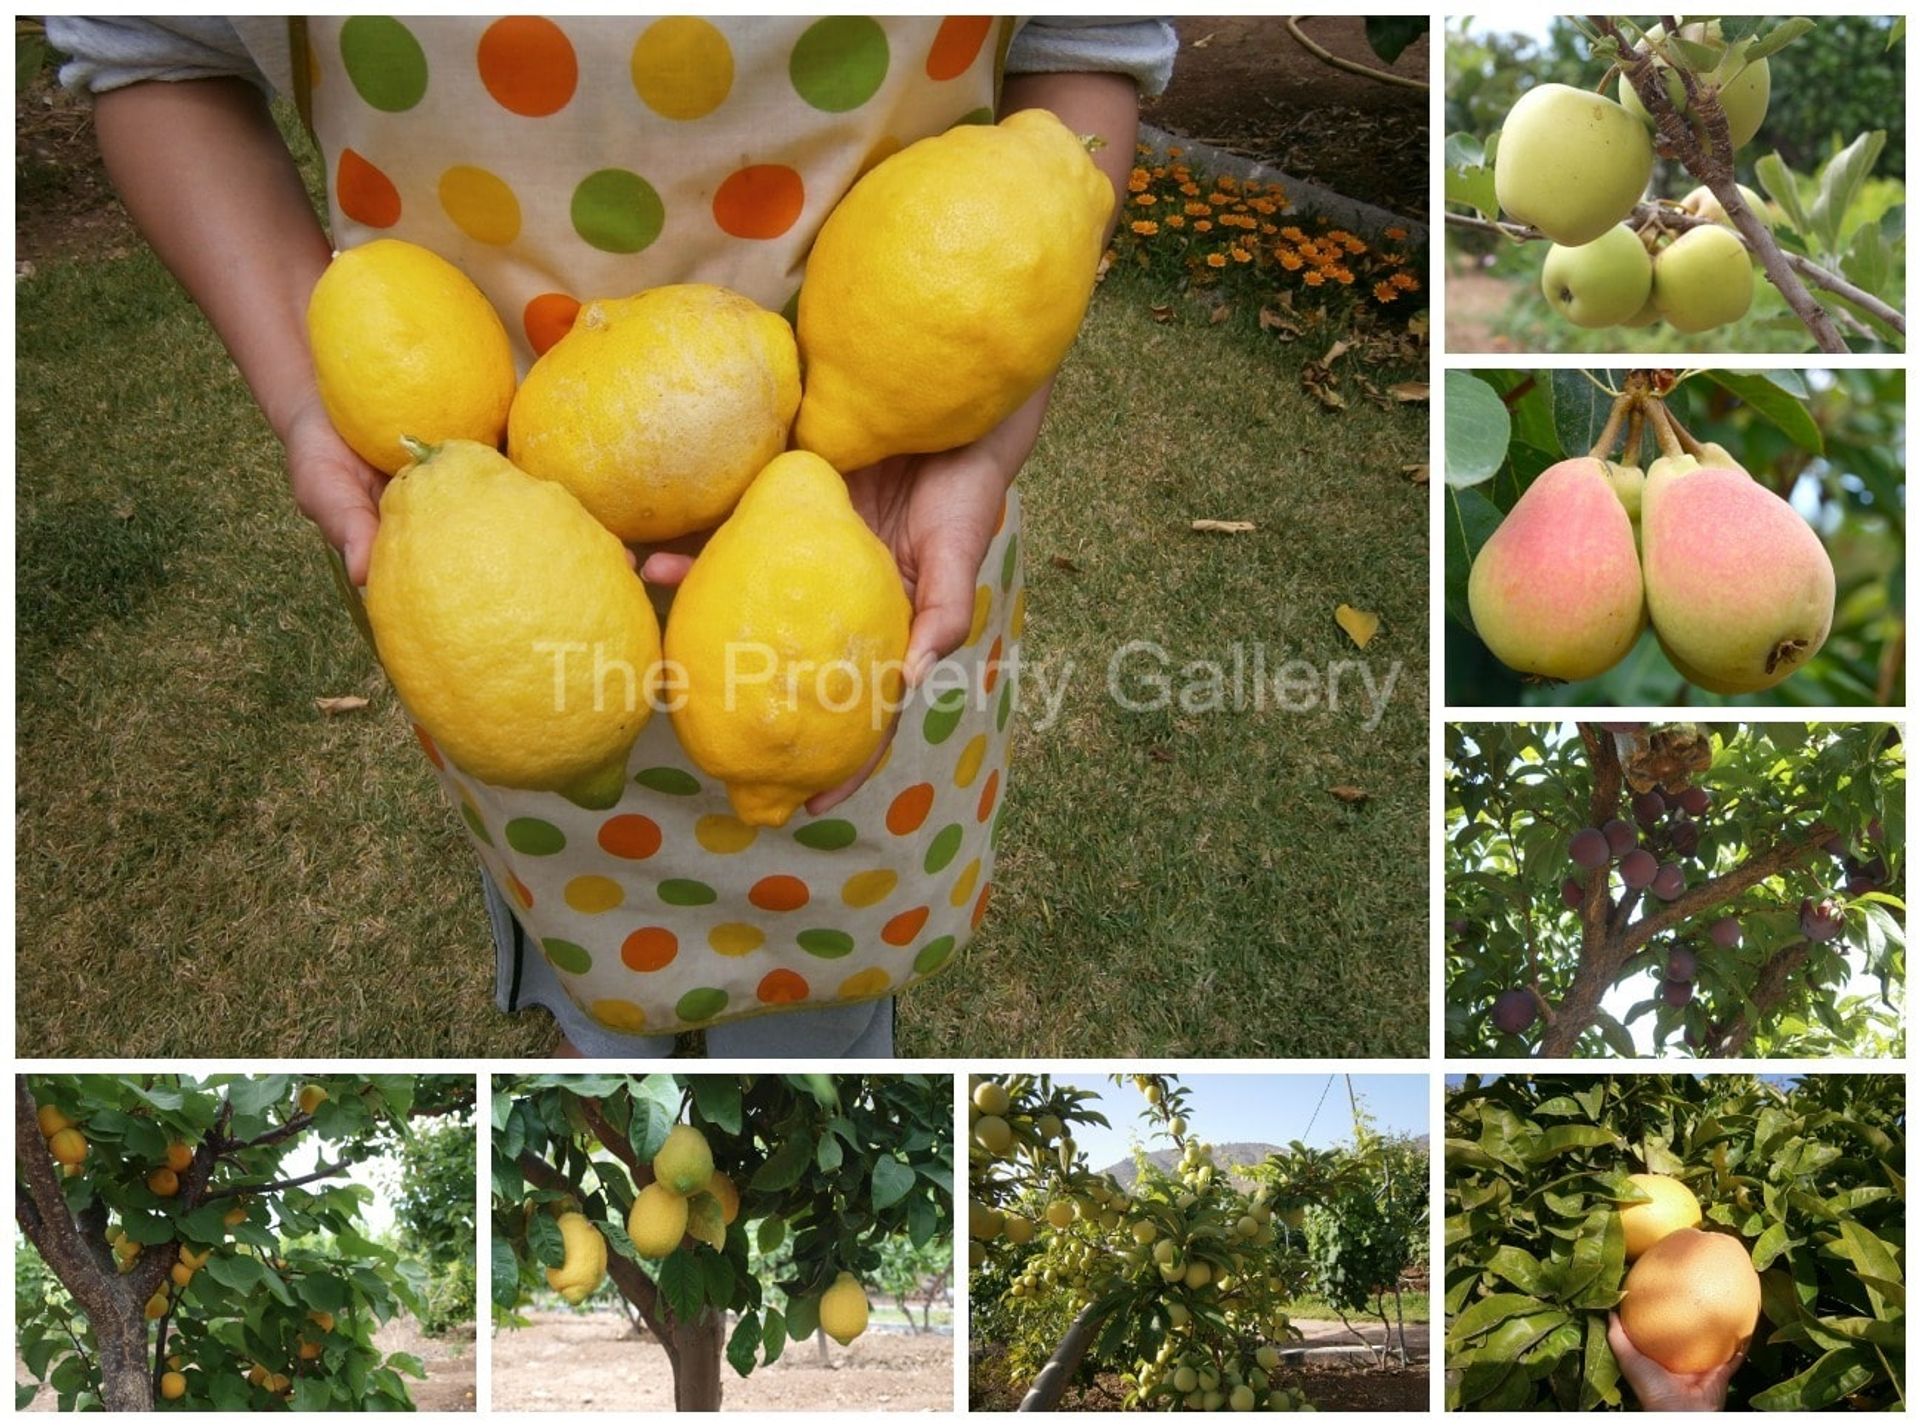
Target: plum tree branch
1722, 889
1771, 987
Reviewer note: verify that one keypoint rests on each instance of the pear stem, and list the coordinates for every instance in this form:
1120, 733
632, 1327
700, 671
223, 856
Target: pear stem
1610, 433
1636, 433
1687, 442
1662, 424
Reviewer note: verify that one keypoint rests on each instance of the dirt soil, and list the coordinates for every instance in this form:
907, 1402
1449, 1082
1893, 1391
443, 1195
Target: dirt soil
1243, 84
567, 1361
449, 1361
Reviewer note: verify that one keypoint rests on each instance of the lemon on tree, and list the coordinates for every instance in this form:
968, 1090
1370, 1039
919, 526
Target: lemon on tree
657, 1221
723, 1190
511, 624
404, 345
946, 286
684, 1162
843, 1309
658, 410
582, 1270
785, 643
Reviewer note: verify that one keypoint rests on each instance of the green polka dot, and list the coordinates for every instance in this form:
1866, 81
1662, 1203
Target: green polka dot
828, 836
674, 781
974, 116
828, 945
617, 211
1005, 710
839, 63
943, 848
701, 1004
567, 957
933, 955
681, 892
472, 817
534, 837
944, 716
385, 62
1011, 562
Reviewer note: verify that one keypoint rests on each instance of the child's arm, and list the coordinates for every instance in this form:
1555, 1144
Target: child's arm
202, 169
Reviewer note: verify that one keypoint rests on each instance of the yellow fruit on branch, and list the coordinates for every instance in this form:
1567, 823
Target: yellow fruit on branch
258, 1375
52, 1120
1670, 1207
405, 345
582, 1270
993, 1134
657, 410
309, 1350
946, 285
721, 1187
843, 1309
312, 1096
181, 1274
785, 643
657, 1221
179, 1157
156, 1307
511, 624
173, 1386
684, 1163
163, 1182
234, 1216
1692, 1300
992, 1098
324, 1320
194, 1260
68, 1146
279, 1383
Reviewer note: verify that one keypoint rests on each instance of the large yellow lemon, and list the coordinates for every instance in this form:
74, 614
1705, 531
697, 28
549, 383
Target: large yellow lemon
785, 643
1691, 1300
685, 1162
721, 1187
657, 410
843, 1309
1672, 1206
946, 287
511, 624
405, 345
585, 1266
657, 1221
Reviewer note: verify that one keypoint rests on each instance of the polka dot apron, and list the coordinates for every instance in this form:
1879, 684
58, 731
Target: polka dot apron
560, 160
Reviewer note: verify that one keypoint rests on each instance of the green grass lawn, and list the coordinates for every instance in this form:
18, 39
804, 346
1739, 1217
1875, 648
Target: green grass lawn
1414, 1307
207, 865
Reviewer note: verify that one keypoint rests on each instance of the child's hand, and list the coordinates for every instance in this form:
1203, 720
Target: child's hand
1658, 1389
333, 487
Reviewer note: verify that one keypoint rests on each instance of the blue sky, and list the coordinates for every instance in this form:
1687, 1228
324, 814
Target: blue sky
1257, 1108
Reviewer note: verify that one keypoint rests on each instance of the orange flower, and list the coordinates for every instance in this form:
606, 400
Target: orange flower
1145, 230
1203, 226
1145, 200
1219, 200
1227, 185
1197, 210
1342, 276
1137, 181
1289, 260
1240, 254
1405, 281
1174, 220
1293, 234
1215, 260
1192, 190
1354, 246
1312, 279
1384, 292
1399, 235
1268, 230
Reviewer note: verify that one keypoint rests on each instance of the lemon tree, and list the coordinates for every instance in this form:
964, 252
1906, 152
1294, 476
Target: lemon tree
1177, 1284
1807, 1178
188, 1268
768, 1198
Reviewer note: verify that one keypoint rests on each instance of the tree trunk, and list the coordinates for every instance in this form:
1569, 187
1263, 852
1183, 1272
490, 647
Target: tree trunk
695, 1353
126, 1376
1051, 1384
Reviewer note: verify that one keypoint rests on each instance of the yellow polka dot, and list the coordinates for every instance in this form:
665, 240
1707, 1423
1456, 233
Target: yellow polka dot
1017, 621
724, 835
590, 895
971, 756
862, 984
869, 888
982, 606
963, 888
621, 1015
682, 67
480, 204
736, 938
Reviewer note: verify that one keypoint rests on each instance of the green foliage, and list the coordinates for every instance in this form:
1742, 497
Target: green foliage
830, 1169
435, 1213
1809, 1175
1516, 793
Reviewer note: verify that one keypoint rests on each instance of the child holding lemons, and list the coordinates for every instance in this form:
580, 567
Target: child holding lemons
558, 161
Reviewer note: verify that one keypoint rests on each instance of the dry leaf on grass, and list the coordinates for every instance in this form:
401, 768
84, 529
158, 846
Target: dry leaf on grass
1162, 311
1065, 565
1160, 753
331, 706
1359, 624
1415, 473
1219, 314
1409, 391
1348, 794
1223, 527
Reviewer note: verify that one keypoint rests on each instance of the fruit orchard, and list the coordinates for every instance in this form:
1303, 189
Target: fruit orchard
1624, 188
186, 1266
1739, 888
770, 1200
1177, 1287
1715, 1215
1660, 537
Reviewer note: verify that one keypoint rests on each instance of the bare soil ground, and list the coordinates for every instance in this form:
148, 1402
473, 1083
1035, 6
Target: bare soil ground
1242, 83
567, 1361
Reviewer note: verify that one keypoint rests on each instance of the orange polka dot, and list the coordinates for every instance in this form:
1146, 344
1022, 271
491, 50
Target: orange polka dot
548, 318
365, 194
782, 987
650, 948
631, 836
528, 65
910, 809
957, 45
426, 746
520, 891
988, 795
901, 930
993, 666
779, 893
980, 906
760, 201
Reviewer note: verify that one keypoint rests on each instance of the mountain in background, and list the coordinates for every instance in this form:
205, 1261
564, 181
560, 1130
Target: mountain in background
1234, 1158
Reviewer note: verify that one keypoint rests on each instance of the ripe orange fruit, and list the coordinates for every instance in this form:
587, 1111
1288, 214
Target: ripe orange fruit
311, 1098
52, 1121
1673, 1206
164, 1182
179, 1157
69, 1146
173, 1386
1692, 1300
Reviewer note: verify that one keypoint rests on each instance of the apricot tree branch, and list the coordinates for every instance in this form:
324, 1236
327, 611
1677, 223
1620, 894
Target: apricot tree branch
324, 1171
